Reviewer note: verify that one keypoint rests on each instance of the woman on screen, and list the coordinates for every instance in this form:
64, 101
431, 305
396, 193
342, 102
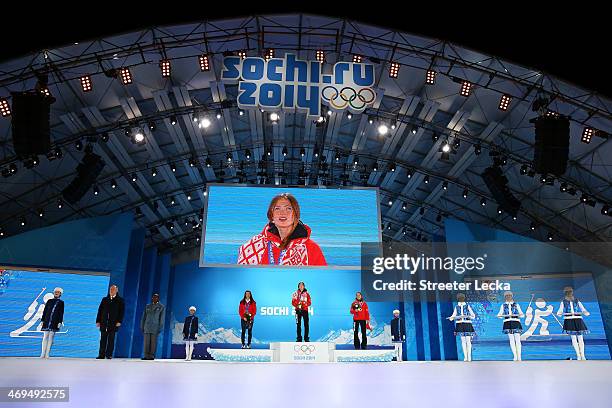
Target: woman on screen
463, 316
301, 301
285, 240
511, 312
361, 318
247, 310
572, 311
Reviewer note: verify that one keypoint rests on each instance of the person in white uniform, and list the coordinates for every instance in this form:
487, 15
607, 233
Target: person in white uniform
463, 316
512, 314
572, 311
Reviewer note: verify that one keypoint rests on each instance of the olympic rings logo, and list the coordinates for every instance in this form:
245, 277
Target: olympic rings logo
348, 96
304, 349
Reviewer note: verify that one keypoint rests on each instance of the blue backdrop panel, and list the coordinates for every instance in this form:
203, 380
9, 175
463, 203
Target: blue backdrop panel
545, 340
340, 220
216, 293
22, 301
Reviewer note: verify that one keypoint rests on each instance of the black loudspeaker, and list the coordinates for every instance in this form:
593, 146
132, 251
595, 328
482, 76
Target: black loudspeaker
551, 149
497, 184
30, 123
87, 172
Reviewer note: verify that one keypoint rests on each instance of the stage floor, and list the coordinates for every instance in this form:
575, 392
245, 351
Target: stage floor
175, 383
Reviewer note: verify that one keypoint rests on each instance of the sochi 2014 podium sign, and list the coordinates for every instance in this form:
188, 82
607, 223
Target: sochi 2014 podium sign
292, 352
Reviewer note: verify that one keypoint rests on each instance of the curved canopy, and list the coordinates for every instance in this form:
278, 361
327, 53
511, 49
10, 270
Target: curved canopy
418, 187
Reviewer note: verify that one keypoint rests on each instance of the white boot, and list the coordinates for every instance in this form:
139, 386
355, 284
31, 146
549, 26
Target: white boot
512, 345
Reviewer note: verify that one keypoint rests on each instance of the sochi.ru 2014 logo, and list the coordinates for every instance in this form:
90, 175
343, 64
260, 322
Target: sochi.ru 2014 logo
291, 83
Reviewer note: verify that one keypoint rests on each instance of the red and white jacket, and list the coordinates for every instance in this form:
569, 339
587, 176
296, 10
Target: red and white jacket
301, 250
359, 310
252, 310
301, 300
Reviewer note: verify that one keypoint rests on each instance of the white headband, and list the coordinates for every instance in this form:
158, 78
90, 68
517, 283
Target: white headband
396, 311
60, 289
192, 307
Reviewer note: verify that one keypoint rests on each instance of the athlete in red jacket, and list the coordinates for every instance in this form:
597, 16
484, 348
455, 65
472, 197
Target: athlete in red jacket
285, 240
361, 317
301, 301
247, 310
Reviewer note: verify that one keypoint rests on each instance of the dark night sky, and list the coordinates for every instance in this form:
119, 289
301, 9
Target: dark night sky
572, 47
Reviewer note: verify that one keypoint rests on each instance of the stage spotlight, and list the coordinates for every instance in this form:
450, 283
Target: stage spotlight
356, 160
40, 213
104, 137
228, 157
204, 123
204, 63
394, 70
446, 148
126, 76
500, 210
188, 196
269, 54
173, 120
383, 129
30, 162
532, 226
154, 172
409, 173
113, 184
466, 88
390, 202
523, 170
587, 134
477, 149
173, 167
435, 136
241, 112
218, 115
274, 117
320, 56
404, 206
138, 212
375, 167
170, 226
483, 201
563, 187
208, 162
172, 200
192, 162
5, 109
329, 112
60, 203
392, 167
96, 190
164, 65
138, 137
426, 179
152, 126
320, 120
550, 236
349, 115
247, 154
242, 54
430, 77
22, 221
504, 102
357, 58
465, 193
605, 210
445, 185
134, 177
86, 84
285, 151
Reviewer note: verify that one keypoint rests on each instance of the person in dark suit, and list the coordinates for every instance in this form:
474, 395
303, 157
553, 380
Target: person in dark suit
109, 318
398, 334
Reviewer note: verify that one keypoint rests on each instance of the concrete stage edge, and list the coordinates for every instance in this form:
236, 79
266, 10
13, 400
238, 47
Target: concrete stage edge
175, 383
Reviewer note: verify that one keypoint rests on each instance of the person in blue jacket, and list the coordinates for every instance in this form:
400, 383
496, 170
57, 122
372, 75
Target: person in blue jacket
190, 332
398, 334
52, 319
